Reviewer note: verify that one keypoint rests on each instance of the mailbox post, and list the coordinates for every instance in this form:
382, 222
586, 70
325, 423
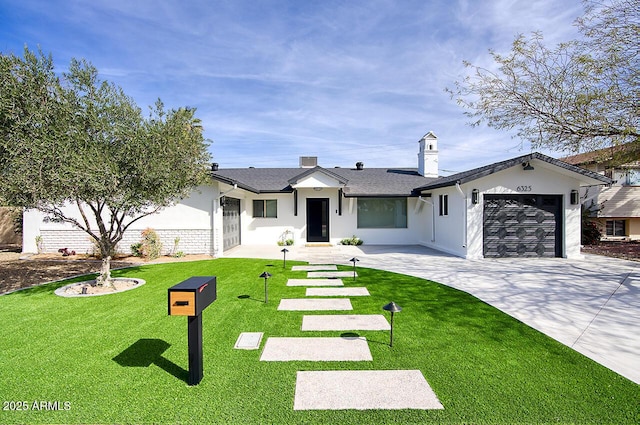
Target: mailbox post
190, 298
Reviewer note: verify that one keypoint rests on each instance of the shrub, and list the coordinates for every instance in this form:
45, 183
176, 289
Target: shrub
150, 244
354, 240
136, 249
286, 242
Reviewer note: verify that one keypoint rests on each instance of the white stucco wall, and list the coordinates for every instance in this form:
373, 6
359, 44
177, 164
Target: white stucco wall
190, 220
545, 179
267, 231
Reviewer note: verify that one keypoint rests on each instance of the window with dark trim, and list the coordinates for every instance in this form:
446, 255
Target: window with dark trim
616, 228
444, 204
265, 208
382, 213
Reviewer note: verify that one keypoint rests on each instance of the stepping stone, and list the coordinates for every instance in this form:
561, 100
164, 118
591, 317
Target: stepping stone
313, 268
316, 349
345, 322
312, 275
248, 341
360, 291
315, 282
364, 389
315, 304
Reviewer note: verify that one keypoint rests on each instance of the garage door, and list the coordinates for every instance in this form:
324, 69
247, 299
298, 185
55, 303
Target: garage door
522, 226
230, 223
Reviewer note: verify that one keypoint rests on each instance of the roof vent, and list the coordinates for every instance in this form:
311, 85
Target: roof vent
308, 161
359, 165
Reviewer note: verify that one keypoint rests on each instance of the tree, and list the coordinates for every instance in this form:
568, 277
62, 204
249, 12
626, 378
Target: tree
580, 95
76, 140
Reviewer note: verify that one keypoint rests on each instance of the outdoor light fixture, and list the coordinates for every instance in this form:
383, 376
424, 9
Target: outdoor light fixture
474, 196
284, 253
574, 197
265, 275
392, 308
354, 260
526, 166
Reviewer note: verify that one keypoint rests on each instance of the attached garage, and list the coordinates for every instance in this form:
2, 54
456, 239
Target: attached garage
524, 207
522, 226
230, 223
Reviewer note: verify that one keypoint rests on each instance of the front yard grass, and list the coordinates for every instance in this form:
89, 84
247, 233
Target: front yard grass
121, 359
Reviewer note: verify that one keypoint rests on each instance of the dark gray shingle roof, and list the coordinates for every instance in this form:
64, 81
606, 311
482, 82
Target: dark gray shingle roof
365, 182
476, 173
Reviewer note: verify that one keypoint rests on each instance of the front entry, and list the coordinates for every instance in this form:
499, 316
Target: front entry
317, 220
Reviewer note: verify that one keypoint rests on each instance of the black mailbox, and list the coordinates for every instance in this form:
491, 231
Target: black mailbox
190, 297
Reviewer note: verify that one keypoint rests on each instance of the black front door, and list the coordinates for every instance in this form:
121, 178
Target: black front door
317, 220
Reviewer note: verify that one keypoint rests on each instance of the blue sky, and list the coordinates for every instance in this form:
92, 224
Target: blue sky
347, 81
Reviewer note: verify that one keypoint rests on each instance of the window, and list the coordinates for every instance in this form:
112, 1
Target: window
444, 204
265, 208
382, 213
616, 228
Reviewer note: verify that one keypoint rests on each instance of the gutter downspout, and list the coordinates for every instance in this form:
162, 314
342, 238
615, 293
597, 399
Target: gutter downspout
433, 217
464, 211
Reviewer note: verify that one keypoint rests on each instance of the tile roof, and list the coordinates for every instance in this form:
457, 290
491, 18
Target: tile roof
624, 153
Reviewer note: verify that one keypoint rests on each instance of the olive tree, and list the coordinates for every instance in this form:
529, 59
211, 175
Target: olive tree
75, 140
579, 95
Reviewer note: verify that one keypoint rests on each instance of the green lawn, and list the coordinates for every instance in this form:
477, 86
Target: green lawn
121, 359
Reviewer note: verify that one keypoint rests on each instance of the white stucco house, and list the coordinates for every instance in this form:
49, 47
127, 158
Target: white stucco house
524, 206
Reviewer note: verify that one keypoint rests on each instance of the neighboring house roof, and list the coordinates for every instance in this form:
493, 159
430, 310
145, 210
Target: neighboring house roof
614, 155
476, 173
355, 183
620, 201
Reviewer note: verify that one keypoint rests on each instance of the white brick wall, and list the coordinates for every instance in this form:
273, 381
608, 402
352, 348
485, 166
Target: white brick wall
192, 241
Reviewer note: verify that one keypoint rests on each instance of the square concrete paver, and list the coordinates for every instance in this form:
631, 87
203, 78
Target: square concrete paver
345, 322
359, 291
314, 267
364, 389
312, 275
249, 341
315, 282
282, 349
315, 304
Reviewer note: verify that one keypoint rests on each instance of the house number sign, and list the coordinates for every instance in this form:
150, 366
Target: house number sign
525, 188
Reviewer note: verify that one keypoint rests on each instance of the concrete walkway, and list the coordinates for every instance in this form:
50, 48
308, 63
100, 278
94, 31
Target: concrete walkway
591, 305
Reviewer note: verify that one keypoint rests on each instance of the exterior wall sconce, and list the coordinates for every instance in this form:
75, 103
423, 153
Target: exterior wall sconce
475, 194
222, 201
574, 197
526, 166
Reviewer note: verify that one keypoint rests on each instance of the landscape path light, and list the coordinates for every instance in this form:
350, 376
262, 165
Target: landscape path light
266, 276
284, 253
354, 260
392, 308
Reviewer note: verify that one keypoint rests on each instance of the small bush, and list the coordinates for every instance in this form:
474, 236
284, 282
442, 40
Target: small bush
286, 242
354, 240
136, 249
150, 244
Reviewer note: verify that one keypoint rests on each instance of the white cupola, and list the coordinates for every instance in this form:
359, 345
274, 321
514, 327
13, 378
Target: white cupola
428, 155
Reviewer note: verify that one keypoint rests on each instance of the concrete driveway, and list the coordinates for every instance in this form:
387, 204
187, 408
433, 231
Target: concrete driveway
591, 305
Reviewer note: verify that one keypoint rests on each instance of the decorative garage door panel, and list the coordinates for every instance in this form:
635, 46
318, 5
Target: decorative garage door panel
230, 223
522, 226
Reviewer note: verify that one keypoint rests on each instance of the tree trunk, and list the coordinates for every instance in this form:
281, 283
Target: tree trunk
105, 272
